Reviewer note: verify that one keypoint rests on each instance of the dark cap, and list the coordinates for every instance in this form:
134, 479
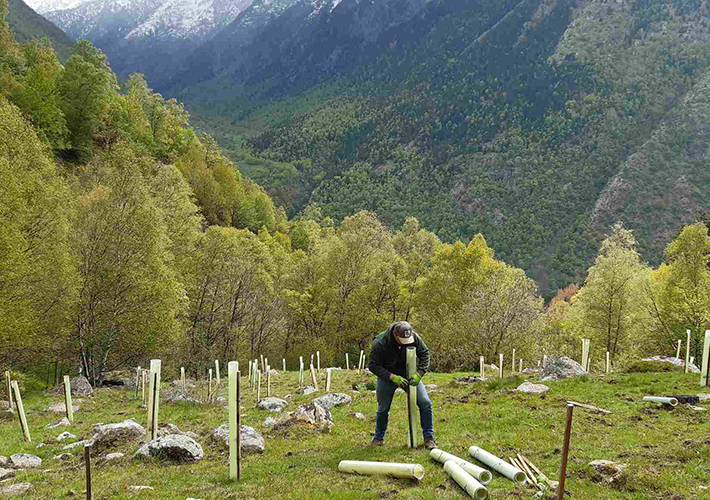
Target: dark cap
404, 332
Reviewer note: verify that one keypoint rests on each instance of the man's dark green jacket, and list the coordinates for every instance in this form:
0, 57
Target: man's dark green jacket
387, 356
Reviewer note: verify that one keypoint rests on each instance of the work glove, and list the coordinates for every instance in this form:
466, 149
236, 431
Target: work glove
415, 379
400, 381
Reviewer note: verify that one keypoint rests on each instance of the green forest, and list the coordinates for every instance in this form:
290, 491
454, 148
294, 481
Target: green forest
538, 124
125, 235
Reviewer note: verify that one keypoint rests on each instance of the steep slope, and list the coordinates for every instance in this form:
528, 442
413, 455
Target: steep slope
26, 24
502, 117
42, 6
147, 36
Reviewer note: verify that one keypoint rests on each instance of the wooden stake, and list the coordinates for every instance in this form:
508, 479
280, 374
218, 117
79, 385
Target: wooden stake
8, 382
687, 353
154, 414
138, 381
589, 364
359, 365
527, 470
565, 452
501, 364
347, 361
268, 381
144, 374
67, 399
182, 379
677, 353
250, 372
318, 356
216, 371
258, 386
87, 461
239, 429
327, 380
21, 412
482, 368
300, 371
521, 366
209, 387
589, 407
512, 369
705, 367
263, 364
608, 364
314, 378
284, 364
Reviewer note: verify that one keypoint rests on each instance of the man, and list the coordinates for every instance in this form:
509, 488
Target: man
388, 360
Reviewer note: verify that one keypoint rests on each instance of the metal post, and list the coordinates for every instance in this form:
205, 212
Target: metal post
87, 460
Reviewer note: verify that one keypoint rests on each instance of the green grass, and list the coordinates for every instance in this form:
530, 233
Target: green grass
667, 451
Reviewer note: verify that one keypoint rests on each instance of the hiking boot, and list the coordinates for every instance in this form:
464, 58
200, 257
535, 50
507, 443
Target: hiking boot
430, 444
377, 442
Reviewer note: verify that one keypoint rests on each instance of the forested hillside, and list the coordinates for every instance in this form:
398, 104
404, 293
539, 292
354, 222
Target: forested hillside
512, 119
26, 24
125, 235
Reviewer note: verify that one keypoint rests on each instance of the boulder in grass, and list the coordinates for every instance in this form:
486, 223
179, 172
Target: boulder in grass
4, 460
309, 415
606, 471
177, 396
251, 441
61, 408
561, 368
530, 388
173, 447
113, 456
25, 461
107, 435
272, 404
85, 442
15, 490
673, 361
469, 379
309, 389
6, 473
65, 435
63, 422
80, 386
329, 401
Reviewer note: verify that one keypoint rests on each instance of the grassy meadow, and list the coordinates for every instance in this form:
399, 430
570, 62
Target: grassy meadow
667, 451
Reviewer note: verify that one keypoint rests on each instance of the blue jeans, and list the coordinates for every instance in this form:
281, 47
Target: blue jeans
385, 392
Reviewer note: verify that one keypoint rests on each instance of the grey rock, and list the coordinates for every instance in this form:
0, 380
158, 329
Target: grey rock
179, 396
113, 456
65, 435
561, 368
272, 404
704, 397
531, 388
25, 460
311, 415
674, 361
80, 386
63, 456
40, 445
189, 384
269, 421
15, 490
251, 440
4, 460
63, 422
607, 471
6, 473
140, 488
173, 447
107, 435
309, 389
61, 408
168, 429
79, 444
221, 400
329, 401
359, 416
469, 379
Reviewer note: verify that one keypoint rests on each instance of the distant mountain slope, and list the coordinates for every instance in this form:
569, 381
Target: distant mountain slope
147, 36
26, 24
508, 118
42, 6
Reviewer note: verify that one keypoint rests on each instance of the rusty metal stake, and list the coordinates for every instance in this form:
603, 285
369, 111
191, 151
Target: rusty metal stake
565, 453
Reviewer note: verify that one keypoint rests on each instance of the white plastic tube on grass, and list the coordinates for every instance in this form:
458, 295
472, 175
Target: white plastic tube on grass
477, 472
501, 466
660, 399
468, 483
407, 471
